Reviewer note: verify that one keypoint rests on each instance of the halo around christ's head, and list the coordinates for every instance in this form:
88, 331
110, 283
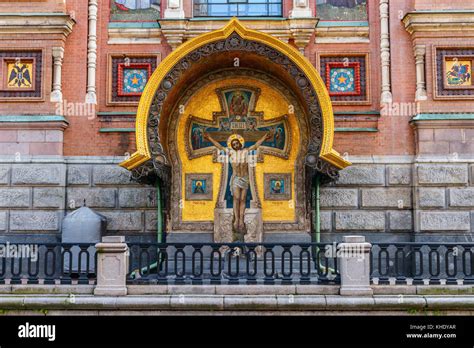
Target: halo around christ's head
235, 137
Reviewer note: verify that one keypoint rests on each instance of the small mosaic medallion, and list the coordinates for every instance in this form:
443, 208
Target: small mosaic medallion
342, 80
134, 80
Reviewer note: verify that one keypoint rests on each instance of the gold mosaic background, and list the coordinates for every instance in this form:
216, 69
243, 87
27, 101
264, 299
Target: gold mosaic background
202, 105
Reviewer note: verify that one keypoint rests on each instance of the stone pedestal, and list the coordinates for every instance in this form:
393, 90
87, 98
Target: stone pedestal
112, 267
223, 225
254, 224
354, 261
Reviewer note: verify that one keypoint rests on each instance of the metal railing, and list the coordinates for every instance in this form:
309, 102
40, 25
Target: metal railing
234, 263
422, 263
52, 263
241, 263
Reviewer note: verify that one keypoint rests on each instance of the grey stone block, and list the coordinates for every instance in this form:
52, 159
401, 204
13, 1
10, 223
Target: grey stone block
362, 175
4, 173
137, 198
78, 175
387, 197
431, 197
399, 175
338, 198
444, 221
15, 197
94, 197
150, 221
360, 220
124, 221
36, 174
401, 221
111, 175
3, 220
435, 174
50, 197
461, 197
34, 221
326, 220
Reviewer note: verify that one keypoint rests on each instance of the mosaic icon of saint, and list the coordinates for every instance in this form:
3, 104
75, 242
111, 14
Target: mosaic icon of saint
198, 188
240, 181
238, 106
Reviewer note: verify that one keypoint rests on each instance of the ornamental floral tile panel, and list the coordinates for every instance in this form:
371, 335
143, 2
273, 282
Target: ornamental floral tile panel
454, 73
134, 10
128, 76
346, 78
21, 74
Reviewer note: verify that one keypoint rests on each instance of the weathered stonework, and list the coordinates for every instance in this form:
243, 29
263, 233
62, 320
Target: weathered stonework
93, 197
362, 175
44, 174
387, 197
78, 175
124, 221
400, 175
338, 198
461, 197
49, 197
111, 175
3, 220
401, 220
14, 198
4, 174
431, 197
137, 198
34, 221
360, 220
436, 174
445, 221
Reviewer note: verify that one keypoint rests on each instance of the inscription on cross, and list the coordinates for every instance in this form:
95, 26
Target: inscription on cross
238, 116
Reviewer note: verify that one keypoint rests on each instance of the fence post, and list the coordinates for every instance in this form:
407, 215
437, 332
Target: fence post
112, 266
354, 258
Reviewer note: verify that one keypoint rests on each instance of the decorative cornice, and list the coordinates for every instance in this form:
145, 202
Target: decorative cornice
342, 34
134, 33
439, 23
36, 23
300, 29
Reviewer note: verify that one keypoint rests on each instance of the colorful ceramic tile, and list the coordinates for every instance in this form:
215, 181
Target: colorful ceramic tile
199, 187
133, 78
128, 77
343, 78
458, 73
20, 75
277, 187
453, 70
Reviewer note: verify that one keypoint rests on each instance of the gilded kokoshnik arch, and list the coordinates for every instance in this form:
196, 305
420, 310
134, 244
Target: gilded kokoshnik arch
161, 78
223, 85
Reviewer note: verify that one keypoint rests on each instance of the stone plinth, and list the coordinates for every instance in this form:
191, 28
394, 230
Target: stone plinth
354, 261
112, 267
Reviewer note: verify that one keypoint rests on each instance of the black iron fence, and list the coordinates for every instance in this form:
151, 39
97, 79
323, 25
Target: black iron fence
47, 264
234, 263
422, 263
239, 263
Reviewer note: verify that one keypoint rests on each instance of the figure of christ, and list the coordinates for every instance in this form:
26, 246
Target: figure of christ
240, 182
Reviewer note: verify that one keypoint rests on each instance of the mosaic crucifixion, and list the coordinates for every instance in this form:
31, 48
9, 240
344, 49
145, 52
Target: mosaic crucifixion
238, 116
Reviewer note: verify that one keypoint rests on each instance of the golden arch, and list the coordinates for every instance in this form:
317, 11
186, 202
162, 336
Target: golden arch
143, 154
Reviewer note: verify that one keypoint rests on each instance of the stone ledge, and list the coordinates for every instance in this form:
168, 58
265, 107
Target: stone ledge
238, 303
